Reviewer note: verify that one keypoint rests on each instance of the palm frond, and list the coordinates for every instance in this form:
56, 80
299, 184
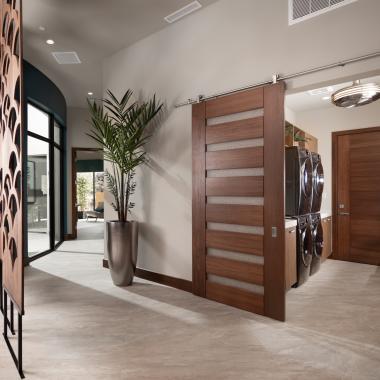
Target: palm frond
112, 188
119, 127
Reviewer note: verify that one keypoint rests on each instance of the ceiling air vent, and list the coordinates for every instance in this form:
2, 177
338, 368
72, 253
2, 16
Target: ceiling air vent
189, 8
300, 10
66, 57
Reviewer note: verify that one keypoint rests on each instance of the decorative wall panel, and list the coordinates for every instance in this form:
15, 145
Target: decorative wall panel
11, 140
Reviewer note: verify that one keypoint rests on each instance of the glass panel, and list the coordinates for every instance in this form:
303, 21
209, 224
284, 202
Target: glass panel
57, 196
38, 121
99, 191
57, 133
38, 213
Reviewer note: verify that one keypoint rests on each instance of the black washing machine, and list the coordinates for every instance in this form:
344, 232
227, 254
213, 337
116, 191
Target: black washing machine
299, 181
304, 249
317, 236
318, 182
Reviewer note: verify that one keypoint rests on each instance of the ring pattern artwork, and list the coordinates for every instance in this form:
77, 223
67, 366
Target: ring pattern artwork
11, 140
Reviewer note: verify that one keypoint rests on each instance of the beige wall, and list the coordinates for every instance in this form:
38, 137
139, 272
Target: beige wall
322, 122
77, 127
226, 45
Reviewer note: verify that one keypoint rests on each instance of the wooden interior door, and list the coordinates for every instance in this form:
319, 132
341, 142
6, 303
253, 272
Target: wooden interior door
356, 176
238, 200
11, 162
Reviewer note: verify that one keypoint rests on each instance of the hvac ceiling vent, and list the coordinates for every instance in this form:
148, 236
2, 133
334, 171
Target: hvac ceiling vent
300, 10
321, 91
189, 8
66, 57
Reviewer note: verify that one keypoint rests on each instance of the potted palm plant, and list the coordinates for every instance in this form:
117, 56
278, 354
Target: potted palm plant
120, 127
82, 191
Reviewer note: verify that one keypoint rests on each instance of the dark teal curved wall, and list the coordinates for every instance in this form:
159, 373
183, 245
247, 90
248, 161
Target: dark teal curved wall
39, 89
84, 166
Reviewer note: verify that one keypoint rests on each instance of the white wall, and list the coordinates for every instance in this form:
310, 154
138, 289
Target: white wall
290, 115
77, 127
322, 122
226, 45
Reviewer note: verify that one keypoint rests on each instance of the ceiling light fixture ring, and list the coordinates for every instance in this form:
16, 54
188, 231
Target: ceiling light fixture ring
356, 95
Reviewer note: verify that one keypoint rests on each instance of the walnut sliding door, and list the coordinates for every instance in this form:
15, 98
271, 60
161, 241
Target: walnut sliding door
238, 200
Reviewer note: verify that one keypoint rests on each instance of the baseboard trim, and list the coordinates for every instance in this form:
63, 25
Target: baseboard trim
162, 279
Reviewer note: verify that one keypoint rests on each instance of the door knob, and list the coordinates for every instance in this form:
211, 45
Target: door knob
344, 213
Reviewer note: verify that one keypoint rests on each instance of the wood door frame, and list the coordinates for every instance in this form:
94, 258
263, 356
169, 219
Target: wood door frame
74, 150
274, 182
198, 199
334, 172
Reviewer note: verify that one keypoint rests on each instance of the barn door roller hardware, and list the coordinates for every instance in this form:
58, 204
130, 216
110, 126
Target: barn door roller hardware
276, 78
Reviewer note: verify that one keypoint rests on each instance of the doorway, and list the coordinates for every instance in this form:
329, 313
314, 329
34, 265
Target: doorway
346, 142
87, 192
356, 195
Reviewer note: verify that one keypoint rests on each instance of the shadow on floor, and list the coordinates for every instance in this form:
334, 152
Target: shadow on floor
84, 327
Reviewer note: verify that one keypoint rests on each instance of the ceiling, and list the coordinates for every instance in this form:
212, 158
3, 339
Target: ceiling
303, 101
94, 29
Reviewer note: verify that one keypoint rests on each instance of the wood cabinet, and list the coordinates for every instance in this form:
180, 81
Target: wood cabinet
327, 237
295, 136
290, 257
311, 143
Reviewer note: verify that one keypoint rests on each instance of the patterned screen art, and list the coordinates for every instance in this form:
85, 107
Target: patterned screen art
11, 137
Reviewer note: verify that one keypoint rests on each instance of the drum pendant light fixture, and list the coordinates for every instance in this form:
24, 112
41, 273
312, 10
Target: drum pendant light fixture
356, 95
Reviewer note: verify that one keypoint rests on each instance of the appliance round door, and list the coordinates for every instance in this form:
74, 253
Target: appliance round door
307, 246
307, 178
318, 239
318, 179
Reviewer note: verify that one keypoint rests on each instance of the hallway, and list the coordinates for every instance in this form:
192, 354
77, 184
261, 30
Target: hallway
79, 326
90, 238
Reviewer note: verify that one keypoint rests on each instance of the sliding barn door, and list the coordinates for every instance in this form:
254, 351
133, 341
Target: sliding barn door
11, 137
238, 200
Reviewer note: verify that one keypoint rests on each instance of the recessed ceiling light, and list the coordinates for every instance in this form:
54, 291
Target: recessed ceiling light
41, 28
50, 42
90, 93
326, 98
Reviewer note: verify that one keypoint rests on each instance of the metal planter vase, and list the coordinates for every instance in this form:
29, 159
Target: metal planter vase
122, 241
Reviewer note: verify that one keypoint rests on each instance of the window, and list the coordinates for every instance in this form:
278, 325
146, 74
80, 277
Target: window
38, 121
44, 182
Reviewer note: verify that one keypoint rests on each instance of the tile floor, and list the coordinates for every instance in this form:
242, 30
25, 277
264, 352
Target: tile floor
79, 326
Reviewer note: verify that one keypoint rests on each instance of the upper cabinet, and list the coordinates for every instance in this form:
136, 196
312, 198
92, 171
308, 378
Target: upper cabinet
295, 136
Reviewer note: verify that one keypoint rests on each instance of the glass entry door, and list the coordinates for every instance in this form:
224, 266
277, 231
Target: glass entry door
43, 183
38, 211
